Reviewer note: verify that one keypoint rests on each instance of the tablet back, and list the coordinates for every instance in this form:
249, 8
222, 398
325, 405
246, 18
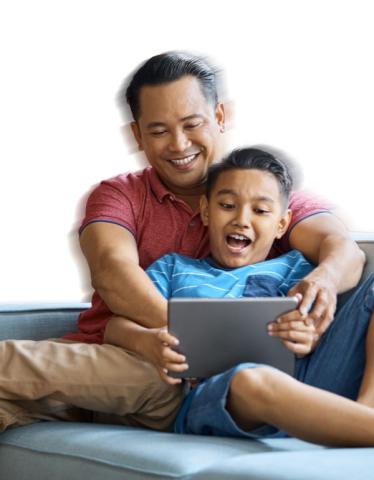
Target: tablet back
217, 334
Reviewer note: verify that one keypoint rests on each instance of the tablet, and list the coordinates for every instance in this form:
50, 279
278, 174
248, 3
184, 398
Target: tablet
217, 334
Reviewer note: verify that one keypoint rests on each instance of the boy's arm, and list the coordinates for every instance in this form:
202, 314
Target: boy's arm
112, 256
155, 345
325, 241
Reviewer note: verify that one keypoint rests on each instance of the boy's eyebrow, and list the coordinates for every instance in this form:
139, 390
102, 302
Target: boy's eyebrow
261, 198
183, 119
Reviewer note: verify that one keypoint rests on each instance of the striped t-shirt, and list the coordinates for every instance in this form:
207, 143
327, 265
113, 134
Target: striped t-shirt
178, 276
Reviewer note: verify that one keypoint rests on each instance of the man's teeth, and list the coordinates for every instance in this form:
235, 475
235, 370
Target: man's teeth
184, 161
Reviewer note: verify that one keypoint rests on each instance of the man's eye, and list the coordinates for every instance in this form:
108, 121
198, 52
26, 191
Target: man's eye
191, 126
261, 211
158, 133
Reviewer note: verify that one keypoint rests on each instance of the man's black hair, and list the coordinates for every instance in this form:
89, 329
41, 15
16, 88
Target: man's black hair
164, 68
253, 159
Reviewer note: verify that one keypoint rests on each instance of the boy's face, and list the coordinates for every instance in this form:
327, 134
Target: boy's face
178, 130
244, 215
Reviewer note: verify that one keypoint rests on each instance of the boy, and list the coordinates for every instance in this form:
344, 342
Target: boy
245, 209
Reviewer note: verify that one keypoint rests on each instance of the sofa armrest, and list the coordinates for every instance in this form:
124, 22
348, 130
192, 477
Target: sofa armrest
38, 321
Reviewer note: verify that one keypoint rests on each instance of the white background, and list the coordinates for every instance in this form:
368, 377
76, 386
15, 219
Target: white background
300, 74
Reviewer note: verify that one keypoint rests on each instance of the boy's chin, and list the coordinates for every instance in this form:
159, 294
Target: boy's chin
233, 262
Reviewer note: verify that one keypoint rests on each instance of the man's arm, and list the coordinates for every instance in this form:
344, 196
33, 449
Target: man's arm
112, 256
325, 241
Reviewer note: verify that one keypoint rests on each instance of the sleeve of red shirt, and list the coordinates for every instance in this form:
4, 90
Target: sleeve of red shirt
113, 201
303, 205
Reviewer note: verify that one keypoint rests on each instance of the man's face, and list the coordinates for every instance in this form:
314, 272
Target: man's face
244, 215
178, 130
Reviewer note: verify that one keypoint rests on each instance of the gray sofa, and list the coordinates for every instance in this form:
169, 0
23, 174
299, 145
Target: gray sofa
73, 451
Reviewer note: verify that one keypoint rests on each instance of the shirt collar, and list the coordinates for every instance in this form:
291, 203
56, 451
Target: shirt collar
157, 187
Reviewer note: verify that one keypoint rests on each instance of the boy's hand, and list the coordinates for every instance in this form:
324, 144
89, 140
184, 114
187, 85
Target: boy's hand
157, 349
298, 333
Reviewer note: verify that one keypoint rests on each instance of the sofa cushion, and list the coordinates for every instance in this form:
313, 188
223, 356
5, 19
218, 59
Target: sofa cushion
60, 451
38, 322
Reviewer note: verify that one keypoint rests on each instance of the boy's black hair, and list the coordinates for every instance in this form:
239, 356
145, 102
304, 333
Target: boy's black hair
251, 158
164, 68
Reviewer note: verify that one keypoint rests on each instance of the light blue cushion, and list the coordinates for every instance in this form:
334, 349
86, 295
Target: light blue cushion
38, 321
73, 451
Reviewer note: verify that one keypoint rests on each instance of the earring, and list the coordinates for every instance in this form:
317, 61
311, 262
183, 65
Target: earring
222, 128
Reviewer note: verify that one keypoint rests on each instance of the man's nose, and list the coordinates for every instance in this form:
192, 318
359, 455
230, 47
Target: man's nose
179, 142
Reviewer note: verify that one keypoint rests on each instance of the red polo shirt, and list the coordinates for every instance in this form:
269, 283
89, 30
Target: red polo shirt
160, 224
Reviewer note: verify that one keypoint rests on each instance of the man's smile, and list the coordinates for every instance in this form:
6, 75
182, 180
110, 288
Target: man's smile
184, 162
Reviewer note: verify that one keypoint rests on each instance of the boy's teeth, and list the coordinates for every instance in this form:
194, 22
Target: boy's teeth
239, 237
184, 161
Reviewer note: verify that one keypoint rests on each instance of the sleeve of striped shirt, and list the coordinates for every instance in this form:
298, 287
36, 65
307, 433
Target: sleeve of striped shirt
300, 267
160, 272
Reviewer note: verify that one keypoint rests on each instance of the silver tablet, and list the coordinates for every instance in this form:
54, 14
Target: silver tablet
217, 334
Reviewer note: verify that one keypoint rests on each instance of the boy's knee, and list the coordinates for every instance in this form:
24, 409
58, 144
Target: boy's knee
253, 383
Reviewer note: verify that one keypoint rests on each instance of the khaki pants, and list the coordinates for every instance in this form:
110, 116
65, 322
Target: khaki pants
63, 380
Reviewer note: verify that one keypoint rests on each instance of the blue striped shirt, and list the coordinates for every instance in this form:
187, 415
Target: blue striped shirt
178, 276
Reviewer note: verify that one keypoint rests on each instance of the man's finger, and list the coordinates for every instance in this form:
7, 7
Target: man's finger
320, 306
308, 298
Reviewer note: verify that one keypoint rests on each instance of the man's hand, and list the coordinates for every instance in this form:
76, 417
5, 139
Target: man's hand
157, 348
296, 332
319, 293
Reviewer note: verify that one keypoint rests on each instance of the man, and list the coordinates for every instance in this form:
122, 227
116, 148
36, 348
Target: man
132, 220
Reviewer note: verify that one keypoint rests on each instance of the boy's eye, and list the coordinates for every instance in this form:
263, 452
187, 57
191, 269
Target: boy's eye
227, 206
261, 211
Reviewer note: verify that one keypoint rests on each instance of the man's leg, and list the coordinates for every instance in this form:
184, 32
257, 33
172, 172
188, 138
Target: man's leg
41, 379
339, 363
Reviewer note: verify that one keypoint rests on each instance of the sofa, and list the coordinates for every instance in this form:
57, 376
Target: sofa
76, 451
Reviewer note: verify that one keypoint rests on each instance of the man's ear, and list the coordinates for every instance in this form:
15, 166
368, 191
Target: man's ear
137, 135
284, 223
204, 210
220, 116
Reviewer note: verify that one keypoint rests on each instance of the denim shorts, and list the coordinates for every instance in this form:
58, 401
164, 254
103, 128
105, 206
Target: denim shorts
204, 412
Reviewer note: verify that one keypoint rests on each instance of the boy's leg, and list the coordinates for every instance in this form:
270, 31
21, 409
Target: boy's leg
266, 395
101, 378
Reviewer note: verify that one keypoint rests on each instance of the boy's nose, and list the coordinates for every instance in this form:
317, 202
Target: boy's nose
243, 218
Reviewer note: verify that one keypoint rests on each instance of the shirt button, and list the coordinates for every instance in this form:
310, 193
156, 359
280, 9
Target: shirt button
192, 223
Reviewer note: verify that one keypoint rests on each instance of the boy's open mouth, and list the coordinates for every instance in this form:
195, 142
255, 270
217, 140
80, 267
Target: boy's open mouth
237, 242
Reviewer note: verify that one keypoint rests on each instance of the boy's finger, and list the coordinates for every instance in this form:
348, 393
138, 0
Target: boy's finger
166, 337
294, 336
176, 367
170, 355
170, 380
286, 326
297, 348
